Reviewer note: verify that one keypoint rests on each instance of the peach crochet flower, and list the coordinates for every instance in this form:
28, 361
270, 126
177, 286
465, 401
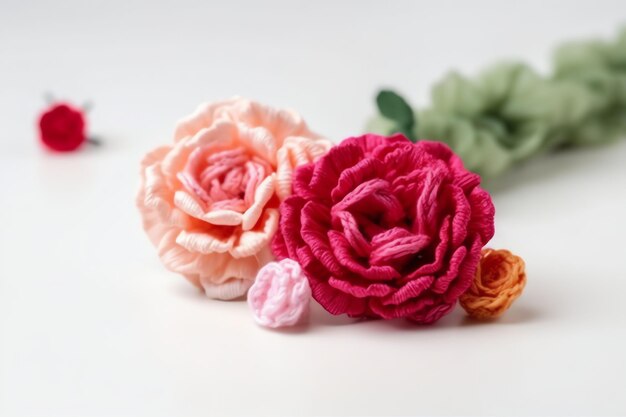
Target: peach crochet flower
500, 279
280, 295
209, 202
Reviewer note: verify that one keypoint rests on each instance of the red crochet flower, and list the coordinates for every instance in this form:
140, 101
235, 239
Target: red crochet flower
386, 228
62, 128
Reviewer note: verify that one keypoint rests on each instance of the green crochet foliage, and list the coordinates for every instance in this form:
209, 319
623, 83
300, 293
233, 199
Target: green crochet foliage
509, 113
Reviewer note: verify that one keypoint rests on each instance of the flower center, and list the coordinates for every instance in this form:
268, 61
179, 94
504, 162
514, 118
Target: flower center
225, 179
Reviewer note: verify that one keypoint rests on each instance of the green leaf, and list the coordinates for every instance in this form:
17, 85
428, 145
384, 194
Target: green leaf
408, 133
394, 107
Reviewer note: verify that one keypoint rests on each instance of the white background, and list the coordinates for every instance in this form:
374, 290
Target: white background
91, 324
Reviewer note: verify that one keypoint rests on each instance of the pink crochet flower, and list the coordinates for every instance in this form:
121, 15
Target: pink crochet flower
386, 228
280, 294
209, 201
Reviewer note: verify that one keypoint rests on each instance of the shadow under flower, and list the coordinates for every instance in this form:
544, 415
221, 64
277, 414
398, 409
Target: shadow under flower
552, 165
185, 290
517, 315
457, 320
318, 318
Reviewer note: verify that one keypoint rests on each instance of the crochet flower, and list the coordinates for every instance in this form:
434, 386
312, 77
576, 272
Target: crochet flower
500, 279
62, 128
280, 294
209, 201
386, 228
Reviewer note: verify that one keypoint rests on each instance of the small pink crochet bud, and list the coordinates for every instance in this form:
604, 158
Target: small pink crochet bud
280, 294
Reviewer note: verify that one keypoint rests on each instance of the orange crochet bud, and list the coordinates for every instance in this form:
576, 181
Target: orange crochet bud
500, 279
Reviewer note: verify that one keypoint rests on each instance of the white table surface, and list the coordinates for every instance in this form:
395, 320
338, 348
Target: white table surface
91, 324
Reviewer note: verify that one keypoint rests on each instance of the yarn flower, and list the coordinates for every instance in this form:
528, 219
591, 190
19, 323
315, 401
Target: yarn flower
62, 128
209, 201
500, 279
280, 294
386, 228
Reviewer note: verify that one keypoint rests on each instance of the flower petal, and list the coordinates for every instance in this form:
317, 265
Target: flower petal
252, 241
259, 141
262, 195
223, 217
205, 115
295, 152
175, 257
228, 290
205, 242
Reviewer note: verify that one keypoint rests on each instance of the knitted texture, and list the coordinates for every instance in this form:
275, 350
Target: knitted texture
209, 200
510, 113
62, 127
386, 228
500, 280
280, 294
